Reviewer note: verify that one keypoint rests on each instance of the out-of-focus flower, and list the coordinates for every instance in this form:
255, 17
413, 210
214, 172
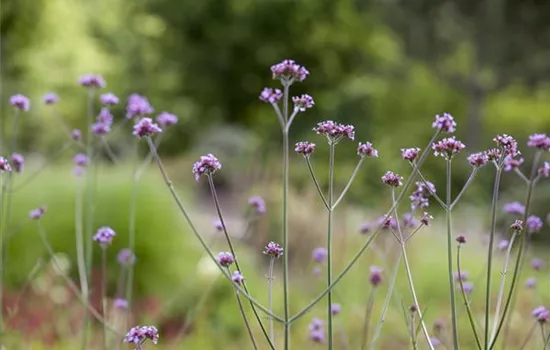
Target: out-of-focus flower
92, 81
165, 119
109, 99
257, 203
366, 150
18, 162
50, 98
146, 127
20, 102
273, 249
319, 254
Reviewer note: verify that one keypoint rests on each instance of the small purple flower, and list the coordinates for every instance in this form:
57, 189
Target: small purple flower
270, 95
540, 141
435, 341
304, 147
508, 145
105, 116
139, 335
335, 309
445, 123
391, 179
366, 150
531, 282
512, 163
218, 225
461, 239
448, 147
92, 80
544, 171
257, 203
225, 259
301, 103
120, 303
537, 264
18, 162
109, 99
273, 249
104, 236
126, 257
387, 222
50, 98
478, 159
36, 214
515, 208
288, 70
207, 165
410, 154
419, 198
541, 313
461, 276
146, 127
81, 160
20, 102
76, 135
4, 165
503, 244
237, 277
365, 228
101, 129
334, 131
375, 275
165, 119
316, 324
426, 219
317, 336
319, 254
409, 220
533, 224
493, 154
468, 287
138, 106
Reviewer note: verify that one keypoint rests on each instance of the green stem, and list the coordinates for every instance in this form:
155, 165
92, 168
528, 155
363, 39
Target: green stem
466, 186
132, 227
316, 182
466, 302
450, 256
104, 293
529, 335
366, 323
329, 242
286, 291
270, 298
348, 185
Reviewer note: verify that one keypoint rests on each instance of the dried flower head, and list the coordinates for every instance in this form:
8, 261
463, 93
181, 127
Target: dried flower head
445, 123
334, 131
544, 171
109, 99
304, 147
76, 135
237, 277
533, 224
319, 254
165, 119
461, 239
207, 165
273, 249
448, 147
146, 127
92, 81
478, 159
301, 103
81, 160
225, 259
50, 98
20, 102
18, 162
391, 179
517, 226
36, 214
258, 204
126, 257
270, 95
410, 154
515, 208
104, 236
540, 141
289, 71
375, 275
140, 334
366, 150
138, 106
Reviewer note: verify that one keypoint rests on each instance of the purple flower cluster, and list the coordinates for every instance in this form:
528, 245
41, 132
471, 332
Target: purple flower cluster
517, 226
207, 165
165, 119
50, 98
375, 277
36, 214
20, 102
319, 255
420, 197
478, 159
537, 264
468, 287
448, 147
76, 135
335, 309
335, 131
104, 122
18, 162
270, 95
461, 239
81, 160
387, 222
146, 127
138, 106
540, 141
109, 99
391, 179
120, 303
104, 236
237, 277
512, 163
139, 335
409, 220
257, 203
515, 208
316, 331
445, 123
366, 150
289, 71
92, 81
304, 147
541, 313
533, 224
410, 154
508, 145
531, 282
301, 103
225, 259
126, 257
273, 249
426, 219
544, 171
462, 276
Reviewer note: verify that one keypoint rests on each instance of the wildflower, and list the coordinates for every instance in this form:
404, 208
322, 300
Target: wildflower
541, 313
503, 244
478, 159
517, 226
391, 179
493, 154
544, 171
289, 71
335, 309
366, 150
316, 324
409, 220
165, 119
540, 141
435, 341
50, 98
533, 224
515, 208
387, 222
461, 276
306, 148
270, 95
468, 287
365, 228
81, 160
105, 116
461, 239
76, 135
104, 236
218, 225
410, 154
273, 249
101, 128
445, 123
375, 275
508, 145
301, 103
92, 80
138, 106
319, 254
4, 165
206, 165
448, 147
531, 282
36, 214
139, 335
512, 163
237, 277
537, 264
146, 127
426, 219
334, 131
18, 161
419, 198
20, 102
126, 257
257, 203
317, 336
225, 259
120, 303
109, 99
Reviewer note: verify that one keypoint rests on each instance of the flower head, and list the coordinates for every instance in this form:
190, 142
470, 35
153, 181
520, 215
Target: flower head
537, 264
20, 102
109, 99
76, 135
36, 214
508, 145
445, 123
409, 220
420, 197
478, 159
288, 70
270, 95
50, 98
515, 208
81, 160
540, 141
410, 154
541, 313
387, 222
140, 334
461, 239
237, 277
462, 276
517, 226
375, 275
257, 203
105, 116
101, 128
304, 147
165, 119
104, 236
138, 106
335, 308
18, 162
512, 163
316, 324
4, 165
544, 171
301, 103
334, 131
207, 165
225, 259
146, 127
319, 254
273, 249
426, 219
365, 227
391, 179
503, 244
120, 303
531, 282
317, 336
533, 224
218, 225
435, 341
468, 287
126, 257
366, 150
92, 81
448, 147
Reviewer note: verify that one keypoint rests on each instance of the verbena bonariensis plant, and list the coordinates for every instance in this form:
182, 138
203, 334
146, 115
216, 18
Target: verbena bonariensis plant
504, 157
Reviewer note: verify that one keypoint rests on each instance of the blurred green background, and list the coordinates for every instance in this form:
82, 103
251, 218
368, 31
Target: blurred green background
384, 66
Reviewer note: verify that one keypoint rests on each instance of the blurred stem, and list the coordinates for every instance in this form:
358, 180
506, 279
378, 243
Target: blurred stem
466, 186
270, 298
529, 335
319, 190
79, 232
104, 293
450, 254
466, 301
2, 235
132, 227
348, 185
329, 242
109, 151
286, 291
368, 314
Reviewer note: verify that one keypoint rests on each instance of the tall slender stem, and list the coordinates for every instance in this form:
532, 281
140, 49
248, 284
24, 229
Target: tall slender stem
286, 291
466, 301
2, 236
245, 319
450, 255
132, 226
79, 232
348, 185
104, 293
329, 241
316, 182
270, 298
529, 335
366, 322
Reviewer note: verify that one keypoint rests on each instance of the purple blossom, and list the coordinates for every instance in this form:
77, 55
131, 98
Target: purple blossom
4, 165
365, 227
139, 335
493, 154
304, 147
76, 135
335, 131
387, 222
410, 154
335, 309
391, 179
104, 236
426, 219
50, 98
319, 254
515, 208
461, 276
541, 313
366, 150
36, 214
448, 147
225, 259
101, 128
409, 220
435, 341
375, 277
419, 198
508, 145
257, 203
92, 80
503, 244
478, 159
531, 282
105, 116
20, 102
273, 249
540, 141
316, 324
461, 239
218, 225
109, 99
317, 336
512, 163
537, 264
18, 162
301, 103
146, 127
120, 303
237, 277
165, 119
544, 171
468, 287
207, 165
445, 123
126, 257
288, 71
138, 106
533, 224
81, 160
270, 95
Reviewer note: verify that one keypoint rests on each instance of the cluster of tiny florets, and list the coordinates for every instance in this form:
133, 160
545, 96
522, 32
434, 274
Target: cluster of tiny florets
301, 103
126, 257
420, 197
109, 99
409, 220
448, 147
225, 259
445, 123
104, 236
391, 179
335, 131
375, 277
50, 98
76, 135
316, 331
514, 208
517, 226
258, 204
544, 171
146, 127
366, 150
410, 154
18, 162
139, 334
20, 102
304, 147
207, 165
387, 222
288, 70
478, 159
165, 119
81, 160
237, 277
270, 95
319, 254
36, 214
508, 145
512, 163
540, 141
121, 304
426, 218
138, 106
533, 224
104, 122
273, 249
541, 313
92, 81
461, 239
